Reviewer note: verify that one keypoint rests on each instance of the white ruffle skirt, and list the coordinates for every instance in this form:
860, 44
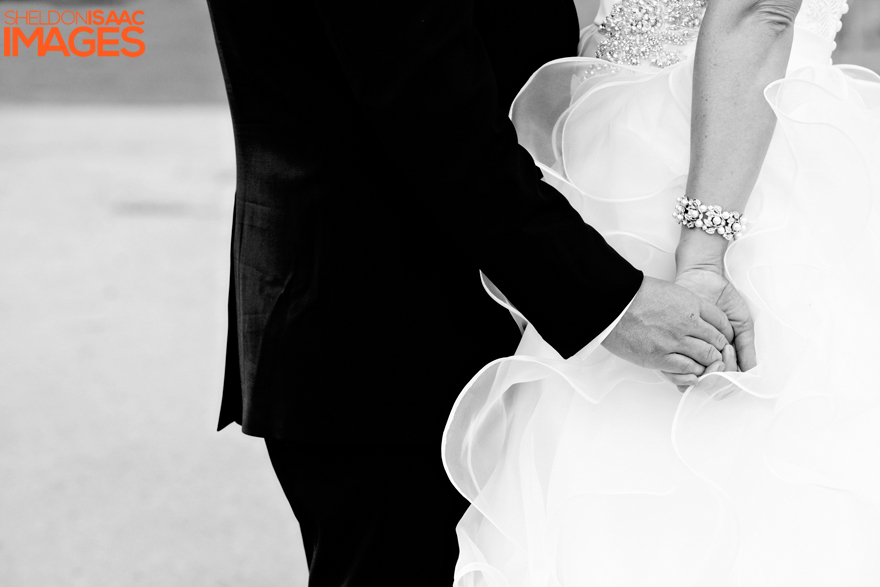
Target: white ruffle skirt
594, 472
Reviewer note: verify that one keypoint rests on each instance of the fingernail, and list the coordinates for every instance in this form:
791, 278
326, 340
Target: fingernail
721, 367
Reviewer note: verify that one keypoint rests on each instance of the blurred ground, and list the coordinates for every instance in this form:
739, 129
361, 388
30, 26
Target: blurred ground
116, 186
859, 40
114, 240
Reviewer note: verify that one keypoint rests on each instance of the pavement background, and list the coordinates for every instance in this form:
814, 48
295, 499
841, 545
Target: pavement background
116, 187
114, 239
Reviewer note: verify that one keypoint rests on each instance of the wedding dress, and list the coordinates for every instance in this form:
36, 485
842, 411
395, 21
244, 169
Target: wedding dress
594, 472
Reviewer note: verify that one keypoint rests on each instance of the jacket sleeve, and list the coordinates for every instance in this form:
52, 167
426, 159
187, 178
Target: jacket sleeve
420, 73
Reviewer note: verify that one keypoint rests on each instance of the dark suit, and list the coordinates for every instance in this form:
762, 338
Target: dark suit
377, 172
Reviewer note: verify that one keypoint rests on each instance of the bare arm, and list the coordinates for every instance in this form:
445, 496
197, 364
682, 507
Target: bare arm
743, 46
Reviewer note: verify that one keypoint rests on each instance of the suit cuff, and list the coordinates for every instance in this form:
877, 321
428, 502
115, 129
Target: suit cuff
594, 344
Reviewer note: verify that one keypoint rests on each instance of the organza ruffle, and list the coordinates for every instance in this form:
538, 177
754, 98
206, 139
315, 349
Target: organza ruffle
592, 471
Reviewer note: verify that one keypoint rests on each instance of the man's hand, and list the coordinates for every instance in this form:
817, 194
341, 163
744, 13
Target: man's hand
711, 286
671, 329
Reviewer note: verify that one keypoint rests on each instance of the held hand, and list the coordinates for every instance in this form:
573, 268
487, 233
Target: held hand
727, 363
671, 329
711, 286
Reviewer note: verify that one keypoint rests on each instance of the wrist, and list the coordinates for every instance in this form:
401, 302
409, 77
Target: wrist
699, 250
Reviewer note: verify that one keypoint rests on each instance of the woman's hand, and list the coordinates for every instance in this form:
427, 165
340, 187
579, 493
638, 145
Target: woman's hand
684, 380
708, 282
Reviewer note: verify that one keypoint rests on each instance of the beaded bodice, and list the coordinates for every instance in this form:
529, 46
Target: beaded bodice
822, 17
637, 31
654, 32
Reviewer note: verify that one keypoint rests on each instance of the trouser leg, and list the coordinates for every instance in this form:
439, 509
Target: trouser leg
371, 514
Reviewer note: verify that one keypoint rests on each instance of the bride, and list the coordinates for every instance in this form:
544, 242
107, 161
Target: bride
765, 471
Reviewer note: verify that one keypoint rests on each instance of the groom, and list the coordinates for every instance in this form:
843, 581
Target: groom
377, 174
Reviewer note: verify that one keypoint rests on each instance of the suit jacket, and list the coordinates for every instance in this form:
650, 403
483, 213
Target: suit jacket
377, 173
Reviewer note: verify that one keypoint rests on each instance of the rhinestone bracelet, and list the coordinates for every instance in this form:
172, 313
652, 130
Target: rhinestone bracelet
712, 219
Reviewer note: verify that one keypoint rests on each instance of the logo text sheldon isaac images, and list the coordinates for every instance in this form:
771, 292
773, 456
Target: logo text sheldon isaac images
74, 33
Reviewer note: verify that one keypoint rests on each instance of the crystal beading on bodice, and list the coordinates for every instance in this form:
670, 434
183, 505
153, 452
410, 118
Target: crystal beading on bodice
638, 32
643, 30
822, 17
